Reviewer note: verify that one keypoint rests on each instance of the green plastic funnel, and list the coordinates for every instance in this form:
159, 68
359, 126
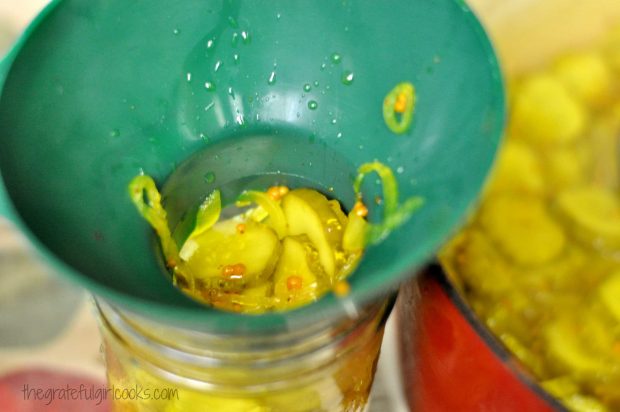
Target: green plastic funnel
254, 93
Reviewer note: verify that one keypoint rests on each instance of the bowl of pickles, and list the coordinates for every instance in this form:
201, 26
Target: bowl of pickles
523, 310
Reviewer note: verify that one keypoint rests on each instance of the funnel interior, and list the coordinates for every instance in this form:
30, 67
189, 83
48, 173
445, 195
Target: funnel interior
259, 90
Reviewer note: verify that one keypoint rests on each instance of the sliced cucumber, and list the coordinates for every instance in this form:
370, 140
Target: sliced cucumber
337, 209
355, 233
255, 299
610, 295
595, 214
276, 219
518, 169
309, 213
567, 346
294, 262
586, 76
257, 249
523, 229
545, 113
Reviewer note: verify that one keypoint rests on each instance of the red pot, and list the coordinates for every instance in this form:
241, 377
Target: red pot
451, 361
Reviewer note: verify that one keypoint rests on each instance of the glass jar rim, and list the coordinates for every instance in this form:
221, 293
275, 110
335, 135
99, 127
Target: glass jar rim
197, 359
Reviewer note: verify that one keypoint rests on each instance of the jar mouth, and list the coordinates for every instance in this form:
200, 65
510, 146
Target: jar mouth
197, 359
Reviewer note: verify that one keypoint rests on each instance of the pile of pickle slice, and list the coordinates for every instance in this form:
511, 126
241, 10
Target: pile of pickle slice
540, 260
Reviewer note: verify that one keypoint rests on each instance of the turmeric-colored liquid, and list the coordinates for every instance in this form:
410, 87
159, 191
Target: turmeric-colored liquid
540, 260
342, 384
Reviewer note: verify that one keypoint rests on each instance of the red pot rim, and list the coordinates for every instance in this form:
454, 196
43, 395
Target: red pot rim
489, 338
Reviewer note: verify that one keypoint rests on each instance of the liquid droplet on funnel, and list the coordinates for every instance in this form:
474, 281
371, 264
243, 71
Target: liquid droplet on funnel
217, 66
209, 177
176, 31
347, 78
323, 66
236, 58
210, 44
336, 58
115, 133
312, 105
400, 170
235, 38
189, 77
307, 87
278, 16
210, 86
316, 83
272, 78
245, 36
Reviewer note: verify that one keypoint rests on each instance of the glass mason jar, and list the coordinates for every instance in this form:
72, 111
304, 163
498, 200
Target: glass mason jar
328, 366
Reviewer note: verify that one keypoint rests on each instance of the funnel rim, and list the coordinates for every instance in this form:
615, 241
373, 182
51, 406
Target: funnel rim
327, 305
